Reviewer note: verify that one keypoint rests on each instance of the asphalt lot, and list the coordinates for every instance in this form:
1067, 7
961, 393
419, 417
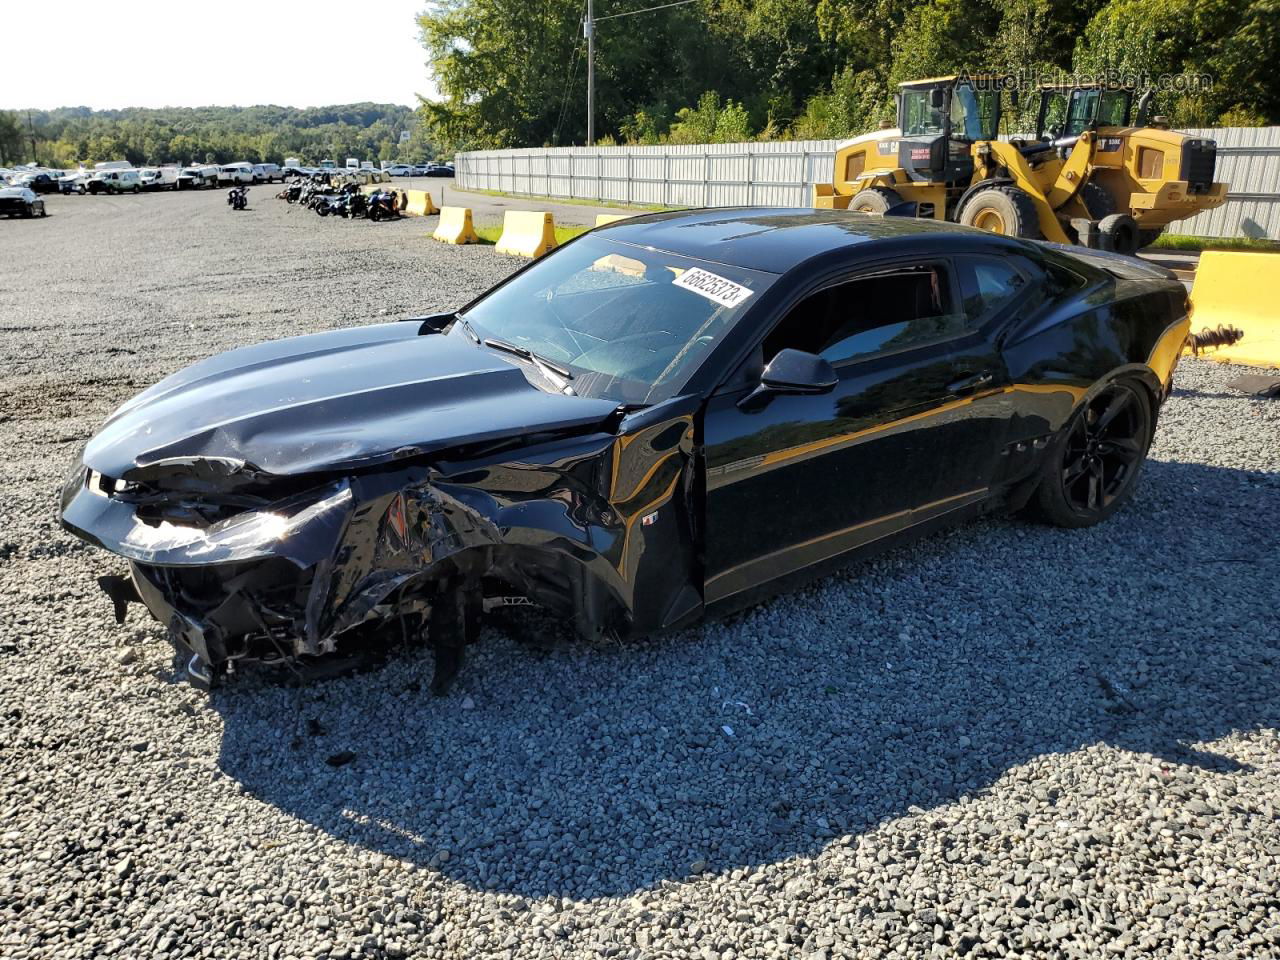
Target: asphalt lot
1007, 740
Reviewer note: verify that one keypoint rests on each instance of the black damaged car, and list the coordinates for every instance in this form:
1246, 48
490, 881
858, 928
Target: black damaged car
670, 416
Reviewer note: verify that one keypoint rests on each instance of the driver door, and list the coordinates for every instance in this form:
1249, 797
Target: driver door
798, 479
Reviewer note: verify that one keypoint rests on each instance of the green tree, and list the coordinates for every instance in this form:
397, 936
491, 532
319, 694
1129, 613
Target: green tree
11, 139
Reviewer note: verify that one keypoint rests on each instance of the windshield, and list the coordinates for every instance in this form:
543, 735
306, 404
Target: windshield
630, 323
919, 116
973, 115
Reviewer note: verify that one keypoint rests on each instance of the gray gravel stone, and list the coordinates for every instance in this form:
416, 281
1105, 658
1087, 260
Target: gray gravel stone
1007, 740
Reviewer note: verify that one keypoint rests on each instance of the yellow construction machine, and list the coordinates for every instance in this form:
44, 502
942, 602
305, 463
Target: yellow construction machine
1087, 177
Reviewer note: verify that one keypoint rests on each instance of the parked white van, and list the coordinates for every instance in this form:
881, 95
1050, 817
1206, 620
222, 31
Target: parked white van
267, 172
115, 181
236, 173
158, 178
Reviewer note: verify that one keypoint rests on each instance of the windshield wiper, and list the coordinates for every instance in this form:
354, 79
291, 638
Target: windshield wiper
527, 354
467, 328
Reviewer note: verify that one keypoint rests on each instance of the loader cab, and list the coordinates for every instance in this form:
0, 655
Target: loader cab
1069, 111
940, 119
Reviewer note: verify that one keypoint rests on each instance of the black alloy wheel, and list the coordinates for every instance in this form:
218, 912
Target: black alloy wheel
1091, 470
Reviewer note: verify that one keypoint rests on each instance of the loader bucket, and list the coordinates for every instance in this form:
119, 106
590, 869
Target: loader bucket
1241, 290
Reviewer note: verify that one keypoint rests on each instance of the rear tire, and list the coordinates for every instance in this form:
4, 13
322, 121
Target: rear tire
1008, 211
1119, 233
1092, 467
875, 200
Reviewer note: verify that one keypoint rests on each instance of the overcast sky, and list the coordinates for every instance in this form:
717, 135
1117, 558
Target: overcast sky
188, 53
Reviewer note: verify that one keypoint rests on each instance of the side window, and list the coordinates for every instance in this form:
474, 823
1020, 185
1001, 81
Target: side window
876, 313
988, 286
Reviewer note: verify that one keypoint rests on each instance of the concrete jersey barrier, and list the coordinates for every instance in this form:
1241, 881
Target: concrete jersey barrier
418, 203
455, 226
527, 233
1242, 290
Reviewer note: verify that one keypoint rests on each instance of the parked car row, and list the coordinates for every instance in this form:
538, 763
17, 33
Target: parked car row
119, 176
420, 170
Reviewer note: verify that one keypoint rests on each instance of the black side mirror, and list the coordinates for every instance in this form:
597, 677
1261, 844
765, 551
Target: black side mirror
937, 97
792, 372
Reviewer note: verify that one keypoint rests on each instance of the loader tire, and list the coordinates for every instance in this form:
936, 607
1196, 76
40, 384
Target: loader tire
1119, 234
1097, 200
875, 200
1007, 211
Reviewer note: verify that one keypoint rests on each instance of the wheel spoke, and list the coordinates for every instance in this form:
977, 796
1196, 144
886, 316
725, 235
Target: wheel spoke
1124, 449
1117, 404
1091, 500
1074, 471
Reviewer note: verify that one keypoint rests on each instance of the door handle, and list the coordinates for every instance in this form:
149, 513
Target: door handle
970, 384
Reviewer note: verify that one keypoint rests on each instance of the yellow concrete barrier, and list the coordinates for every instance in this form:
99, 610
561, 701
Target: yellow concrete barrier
1241, 290
604, 218
455, 226
418, 204
527, 233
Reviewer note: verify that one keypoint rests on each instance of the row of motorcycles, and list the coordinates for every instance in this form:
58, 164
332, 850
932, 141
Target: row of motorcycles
320, 194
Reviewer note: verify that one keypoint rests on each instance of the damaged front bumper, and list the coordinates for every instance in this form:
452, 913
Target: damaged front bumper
254, 584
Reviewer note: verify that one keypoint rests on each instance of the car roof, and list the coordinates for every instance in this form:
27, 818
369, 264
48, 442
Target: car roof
776, 239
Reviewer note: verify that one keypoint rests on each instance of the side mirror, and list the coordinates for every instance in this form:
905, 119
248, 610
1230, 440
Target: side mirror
937, 97
794, 371
791, 372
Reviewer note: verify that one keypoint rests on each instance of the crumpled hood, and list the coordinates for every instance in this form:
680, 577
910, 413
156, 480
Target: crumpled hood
334, 400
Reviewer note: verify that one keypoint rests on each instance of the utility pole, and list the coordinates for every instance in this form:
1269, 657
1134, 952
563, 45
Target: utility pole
589, 27
589, 31
31, 127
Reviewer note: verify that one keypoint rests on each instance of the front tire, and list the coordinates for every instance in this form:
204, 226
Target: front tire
875, 200
1091, 469
1008, 211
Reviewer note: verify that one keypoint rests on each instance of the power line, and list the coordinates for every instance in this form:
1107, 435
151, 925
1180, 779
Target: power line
589, 31
570, 73
632, 13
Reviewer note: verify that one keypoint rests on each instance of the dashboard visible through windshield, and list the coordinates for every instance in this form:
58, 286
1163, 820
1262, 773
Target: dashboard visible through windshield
616, 320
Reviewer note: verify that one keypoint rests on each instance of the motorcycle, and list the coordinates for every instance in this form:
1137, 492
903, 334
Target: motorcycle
238, 198
383, 205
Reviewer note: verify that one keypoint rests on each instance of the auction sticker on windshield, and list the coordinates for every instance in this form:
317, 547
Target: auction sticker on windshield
712, 286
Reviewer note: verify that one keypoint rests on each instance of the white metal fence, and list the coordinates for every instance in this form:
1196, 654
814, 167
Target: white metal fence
782, 173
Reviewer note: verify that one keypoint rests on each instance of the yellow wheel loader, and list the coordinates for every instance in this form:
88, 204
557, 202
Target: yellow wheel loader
1087, 177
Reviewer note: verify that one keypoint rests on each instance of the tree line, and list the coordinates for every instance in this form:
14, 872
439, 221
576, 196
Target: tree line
512, 73
260, 134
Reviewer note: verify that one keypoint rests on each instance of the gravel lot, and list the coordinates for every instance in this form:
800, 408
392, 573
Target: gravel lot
1008, 740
